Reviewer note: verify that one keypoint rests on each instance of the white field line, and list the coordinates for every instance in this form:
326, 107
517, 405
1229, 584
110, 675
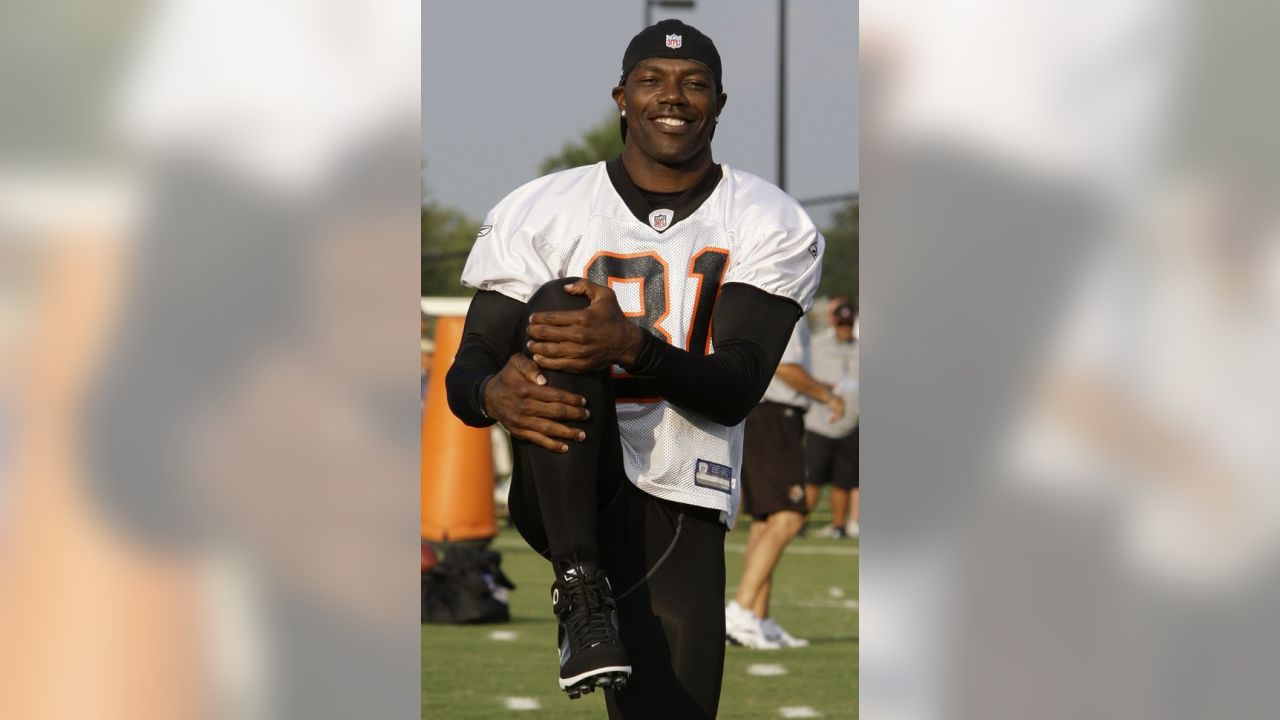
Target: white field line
798, 711
503, 635
823, 604
794, 549
521, 703
797, 600
766, 670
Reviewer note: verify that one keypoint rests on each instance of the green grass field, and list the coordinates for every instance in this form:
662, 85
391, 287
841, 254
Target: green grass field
466, 673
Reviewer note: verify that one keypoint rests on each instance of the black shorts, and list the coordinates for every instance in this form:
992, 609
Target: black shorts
665, 562
773, 461
832, 460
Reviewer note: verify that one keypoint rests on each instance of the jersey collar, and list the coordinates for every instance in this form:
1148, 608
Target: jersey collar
680, 208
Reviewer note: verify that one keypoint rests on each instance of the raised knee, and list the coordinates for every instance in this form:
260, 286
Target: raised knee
551, 296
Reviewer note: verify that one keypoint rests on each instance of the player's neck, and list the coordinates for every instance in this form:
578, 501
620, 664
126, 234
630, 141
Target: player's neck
649, 174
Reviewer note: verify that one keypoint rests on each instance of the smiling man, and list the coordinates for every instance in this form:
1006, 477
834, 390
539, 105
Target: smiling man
629, 315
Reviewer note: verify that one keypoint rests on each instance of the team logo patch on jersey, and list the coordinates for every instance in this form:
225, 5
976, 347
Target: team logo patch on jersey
713, 475
675, 41
660, 219
484, 230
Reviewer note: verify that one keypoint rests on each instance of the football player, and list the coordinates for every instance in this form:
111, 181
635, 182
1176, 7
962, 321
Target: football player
628, 316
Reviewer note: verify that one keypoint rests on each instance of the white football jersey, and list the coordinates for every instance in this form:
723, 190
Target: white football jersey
666, 265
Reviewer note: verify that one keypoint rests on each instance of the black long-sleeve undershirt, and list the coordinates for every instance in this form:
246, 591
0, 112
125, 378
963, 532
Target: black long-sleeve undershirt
750, 330
486, 344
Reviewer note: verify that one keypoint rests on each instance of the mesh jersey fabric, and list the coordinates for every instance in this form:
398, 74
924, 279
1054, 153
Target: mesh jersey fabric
574, 223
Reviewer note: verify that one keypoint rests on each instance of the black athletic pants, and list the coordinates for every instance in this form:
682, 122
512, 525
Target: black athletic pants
665, 560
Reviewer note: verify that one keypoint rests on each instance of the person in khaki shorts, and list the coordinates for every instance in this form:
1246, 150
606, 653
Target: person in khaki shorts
773, 477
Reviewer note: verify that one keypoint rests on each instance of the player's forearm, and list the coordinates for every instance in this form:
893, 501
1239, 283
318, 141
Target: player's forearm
723, 386
486, 338
751, 329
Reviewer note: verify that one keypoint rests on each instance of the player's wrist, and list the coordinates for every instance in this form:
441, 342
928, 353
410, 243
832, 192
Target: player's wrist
647, 357
634, 343
480, 397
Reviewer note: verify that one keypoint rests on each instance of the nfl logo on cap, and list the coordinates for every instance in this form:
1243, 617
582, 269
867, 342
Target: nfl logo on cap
675, 41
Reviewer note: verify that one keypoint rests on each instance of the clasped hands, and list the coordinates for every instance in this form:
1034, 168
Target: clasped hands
575, 341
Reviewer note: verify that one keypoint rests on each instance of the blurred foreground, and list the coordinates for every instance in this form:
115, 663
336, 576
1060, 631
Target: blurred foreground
208, 411
1071, 360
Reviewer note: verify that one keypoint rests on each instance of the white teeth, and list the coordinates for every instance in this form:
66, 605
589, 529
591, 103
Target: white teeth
675, 122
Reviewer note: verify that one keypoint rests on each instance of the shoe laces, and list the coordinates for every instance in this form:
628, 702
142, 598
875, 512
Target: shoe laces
589, 610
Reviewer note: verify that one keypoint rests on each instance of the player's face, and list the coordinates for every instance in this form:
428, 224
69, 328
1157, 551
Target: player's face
671, 107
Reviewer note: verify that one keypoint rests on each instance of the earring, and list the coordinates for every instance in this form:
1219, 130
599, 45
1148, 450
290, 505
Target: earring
624, 112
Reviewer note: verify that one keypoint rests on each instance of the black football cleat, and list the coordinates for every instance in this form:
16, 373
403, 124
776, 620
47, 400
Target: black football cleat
591, 651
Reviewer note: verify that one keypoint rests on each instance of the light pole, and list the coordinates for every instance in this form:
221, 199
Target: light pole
782, 94
648, 7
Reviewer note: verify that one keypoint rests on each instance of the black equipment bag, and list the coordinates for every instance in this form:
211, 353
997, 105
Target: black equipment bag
467, 586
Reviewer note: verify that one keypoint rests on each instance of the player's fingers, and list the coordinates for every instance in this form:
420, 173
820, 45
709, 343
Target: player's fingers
599, 293
556, 395
593, 291
553, 429
542, 350
556, 333
540, 440
573, 364
563, 412
578, 287
550, 428
558, 317
528, 369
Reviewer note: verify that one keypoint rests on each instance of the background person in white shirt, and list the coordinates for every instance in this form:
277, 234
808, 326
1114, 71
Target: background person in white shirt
773, 477
831, 444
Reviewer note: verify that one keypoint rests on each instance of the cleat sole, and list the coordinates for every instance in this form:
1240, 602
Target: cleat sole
614, 680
